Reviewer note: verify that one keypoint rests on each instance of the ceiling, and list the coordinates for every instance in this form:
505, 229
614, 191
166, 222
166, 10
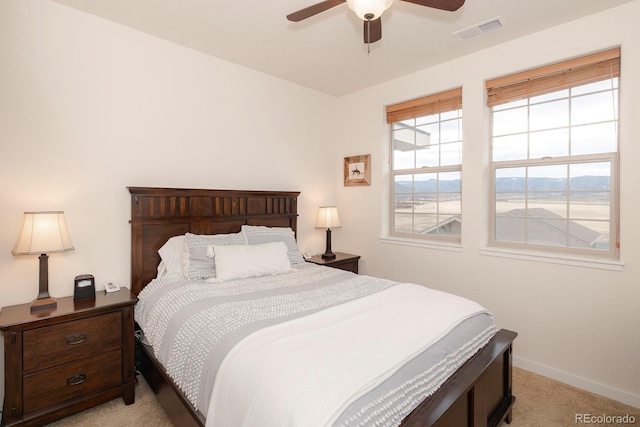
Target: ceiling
326, 52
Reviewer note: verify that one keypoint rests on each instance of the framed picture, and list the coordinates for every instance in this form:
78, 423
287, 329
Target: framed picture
357, 170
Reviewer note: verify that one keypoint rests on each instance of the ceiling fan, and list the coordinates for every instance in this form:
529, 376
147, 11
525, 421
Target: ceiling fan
370, 11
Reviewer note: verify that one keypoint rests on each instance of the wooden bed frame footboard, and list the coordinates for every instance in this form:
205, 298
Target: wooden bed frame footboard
478, 394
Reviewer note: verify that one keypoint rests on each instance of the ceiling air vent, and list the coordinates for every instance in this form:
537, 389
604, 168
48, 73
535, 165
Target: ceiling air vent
479, 29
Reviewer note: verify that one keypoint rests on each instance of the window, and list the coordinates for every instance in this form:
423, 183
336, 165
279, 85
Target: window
426, 167
554, 157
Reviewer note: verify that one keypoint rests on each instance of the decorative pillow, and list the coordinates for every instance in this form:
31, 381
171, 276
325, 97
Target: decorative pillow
196, 265
258, 234
171, 256
237, 262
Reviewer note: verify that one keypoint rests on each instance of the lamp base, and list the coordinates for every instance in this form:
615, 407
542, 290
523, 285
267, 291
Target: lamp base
42, 304
328, 255
327, 252
44, 300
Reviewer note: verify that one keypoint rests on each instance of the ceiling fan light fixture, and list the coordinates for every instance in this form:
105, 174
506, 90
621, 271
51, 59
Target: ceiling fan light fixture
365, 8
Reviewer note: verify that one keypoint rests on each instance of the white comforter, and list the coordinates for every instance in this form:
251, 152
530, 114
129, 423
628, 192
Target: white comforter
304, 372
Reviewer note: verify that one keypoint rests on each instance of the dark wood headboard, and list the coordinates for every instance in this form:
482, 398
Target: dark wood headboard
160, 213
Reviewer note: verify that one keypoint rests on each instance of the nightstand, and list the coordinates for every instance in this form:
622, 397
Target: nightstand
69, 359
342, 261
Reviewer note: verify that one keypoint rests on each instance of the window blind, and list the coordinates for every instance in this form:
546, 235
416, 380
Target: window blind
563, 75
428, 105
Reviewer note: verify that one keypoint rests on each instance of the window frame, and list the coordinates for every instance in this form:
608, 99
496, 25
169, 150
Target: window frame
591, 68
614, 223
439, 103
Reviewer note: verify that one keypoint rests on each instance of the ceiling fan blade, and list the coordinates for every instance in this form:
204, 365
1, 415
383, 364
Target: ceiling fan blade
449, 5
308, 12
372, 31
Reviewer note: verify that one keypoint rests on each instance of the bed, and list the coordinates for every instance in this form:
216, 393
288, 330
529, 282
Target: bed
477, 393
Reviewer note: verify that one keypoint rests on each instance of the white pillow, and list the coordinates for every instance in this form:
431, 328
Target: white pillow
171, 256
241, 261
258, 234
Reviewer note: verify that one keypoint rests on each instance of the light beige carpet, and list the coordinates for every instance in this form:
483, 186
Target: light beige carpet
146, 411
543, 402
540, 402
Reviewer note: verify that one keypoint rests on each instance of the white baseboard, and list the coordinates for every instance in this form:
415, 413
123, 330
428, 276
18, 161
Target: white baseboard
579, 382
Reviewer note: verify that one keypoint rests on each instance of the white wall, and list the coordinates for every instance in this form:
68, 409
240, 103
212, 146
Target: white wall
579, 325
89, 107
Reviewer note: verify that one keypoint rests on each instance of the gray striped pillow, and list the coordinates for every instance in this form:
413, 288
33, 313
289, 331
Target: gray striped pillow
196, 264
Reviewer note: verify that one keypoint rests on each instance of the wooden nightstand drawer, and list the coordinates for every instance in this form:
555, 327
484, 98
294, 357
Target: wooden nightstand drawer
46, 388
69, 341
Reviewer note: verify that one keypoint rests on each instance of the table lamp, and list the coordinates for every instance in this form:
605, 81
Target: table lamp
43, 233
328, 218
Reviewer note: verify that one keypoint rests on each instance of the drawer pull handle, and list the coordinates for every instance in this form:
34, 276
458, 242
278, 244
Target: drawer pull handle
76, 339
76, 379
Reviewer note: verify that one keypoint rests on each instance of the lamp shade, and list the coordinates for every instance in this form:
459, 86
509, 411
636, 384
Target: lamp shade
364, 7
43, 232
328, 217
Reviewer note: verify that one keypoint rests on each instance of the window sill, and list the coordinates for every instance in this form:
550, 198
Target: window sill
443, 246
598, 263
